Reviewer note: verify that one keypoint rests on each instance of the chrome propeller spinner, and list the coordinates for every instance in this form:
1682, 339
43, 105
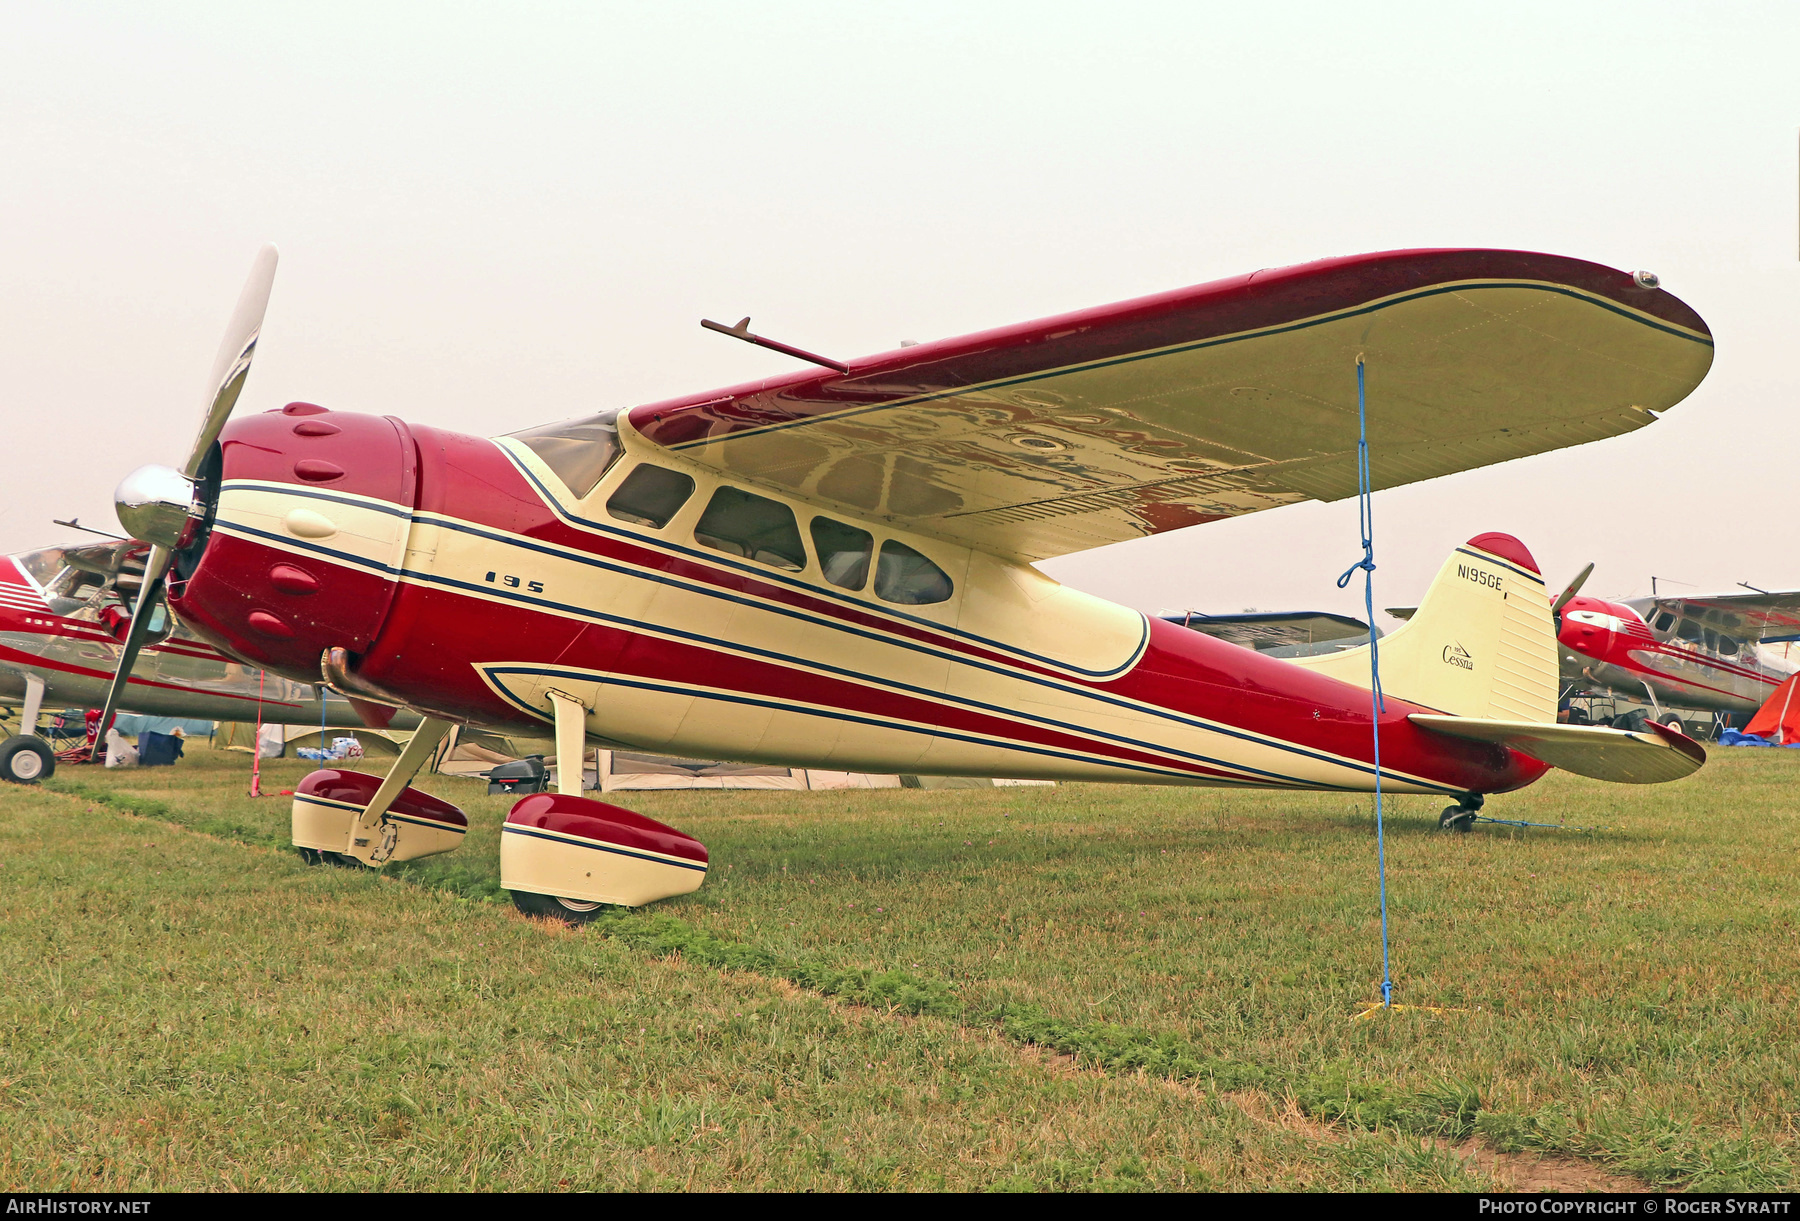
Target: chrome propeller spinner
161, 505
158, 504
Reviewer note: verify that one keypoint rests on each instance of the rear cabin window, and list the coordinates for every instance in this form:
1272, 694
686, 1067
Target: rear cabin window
739, 523
844, 552
578, 451
903, 575
650, 496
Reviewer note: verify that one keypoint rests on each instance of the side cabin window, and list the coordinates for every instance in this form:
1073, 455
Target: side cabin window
903, 575
739, 523
844, 552
1690, 631
1665, 621
650, 496
579, 451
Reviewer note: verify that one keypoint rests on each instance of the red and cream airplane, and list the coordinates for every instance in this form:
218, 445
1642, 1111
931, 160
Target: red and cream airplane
1710, 651
834, 568
64, 612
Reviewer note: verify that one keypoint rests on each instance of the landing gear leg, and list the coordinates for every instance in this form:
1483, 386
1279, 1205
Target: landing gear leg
1461, 816
372, 838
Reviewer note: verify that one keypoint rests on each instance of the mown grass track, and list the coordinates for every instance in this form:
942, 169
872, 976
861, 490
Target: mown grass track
1625, 996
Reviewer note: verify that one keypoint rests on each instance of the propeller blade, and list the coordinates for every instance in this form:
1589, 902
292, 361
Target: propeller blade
155, 569
232, 365
161, 501
1574, 588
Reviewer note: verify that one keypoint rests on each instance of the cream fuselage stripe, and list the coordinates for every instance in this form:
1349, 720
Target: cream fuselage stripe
837, 714
709, 559
574, 611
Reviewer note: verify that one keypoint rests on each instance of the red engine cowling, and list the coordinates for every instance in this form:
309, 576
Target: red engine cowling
306, 539
1600, 629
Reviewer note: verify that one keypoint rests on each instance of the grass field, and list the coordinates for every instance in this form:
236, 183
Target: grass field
1071, 987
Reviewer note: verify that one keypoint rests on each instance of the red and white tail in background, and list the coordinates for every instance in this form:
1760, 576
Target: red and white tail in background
1481, 649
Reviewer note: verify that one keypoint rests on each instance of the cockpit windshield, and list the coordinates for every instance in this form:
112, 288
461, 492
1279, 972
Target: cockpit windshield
580, 451
41, 566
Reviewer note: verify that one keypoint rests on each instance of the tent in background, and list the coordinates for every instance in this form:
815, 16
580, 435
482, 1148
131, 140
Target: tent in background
131, 725
1778, 720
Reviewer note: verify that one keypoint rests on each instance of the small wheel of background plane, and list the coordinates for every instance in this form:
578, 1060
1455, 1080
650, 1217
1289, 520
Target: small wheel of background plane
311, 856
1455, 818
569, 911
26, 759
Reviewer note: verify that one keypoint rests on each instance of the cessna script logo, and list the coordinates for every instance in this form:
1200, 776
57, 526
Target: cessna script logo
1456, 655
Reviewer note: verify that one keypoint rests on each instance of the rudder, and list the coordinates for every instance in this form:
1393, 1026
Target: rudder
1482, 643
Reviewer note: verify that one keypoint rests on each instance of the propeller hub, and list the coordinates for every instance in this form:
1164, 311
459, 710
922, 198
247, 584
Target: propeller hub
157, 504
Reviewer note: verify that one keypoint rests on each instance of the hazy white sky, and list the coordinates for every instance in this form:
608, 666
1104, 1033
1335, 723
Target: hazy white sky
495, 215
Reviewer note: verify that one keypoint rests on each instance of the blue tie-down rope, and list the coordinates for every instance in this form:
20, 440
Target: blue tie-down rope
1365, 520
1553, 826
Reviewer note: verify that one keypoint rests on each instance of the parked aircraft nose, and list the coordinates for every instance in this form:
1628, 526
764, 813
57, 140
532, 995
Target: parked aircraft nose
306, 541
1590, 627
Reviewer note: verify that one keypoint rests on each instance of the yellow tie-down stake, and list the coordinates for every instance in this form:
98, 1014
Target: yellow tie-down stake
1377, 1007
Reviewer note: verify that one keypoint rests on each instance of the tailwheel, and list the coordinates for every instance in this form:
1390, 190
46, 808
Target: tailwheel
569, 911
1461, 816
1455, 818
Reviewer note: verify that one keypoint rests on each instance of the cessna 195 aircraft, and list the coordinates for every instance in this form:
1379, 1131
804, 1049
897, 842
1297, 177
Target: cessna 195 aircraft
63, 614
834, 568
1688, 651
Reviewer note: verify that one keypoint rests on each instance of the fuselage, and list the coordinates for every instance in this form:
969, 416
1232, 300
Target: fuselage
1672, 660
723, 619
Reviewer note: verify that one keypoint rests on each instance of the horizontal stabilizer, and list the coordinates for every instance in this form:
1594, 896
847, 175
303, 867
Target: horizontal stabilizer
1659, 754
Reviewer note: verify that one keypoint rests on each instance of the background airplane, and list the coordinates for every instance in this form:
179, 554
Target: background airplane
834, 568
1715, 652
1710, 651
1280, 633
64, 614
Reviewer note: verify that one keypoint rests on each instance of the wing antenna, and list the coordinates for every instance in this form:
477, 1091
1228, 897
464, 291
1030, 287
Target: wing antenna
742, 331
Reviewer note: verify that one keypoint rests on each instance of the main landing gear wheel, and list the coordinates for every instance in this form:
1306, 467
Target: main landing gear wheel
26, 759
569, 911
343, 860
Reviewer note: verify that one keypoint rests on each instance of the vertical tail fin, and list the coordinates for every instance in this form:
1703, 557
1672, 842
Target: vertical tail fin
1482, 643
